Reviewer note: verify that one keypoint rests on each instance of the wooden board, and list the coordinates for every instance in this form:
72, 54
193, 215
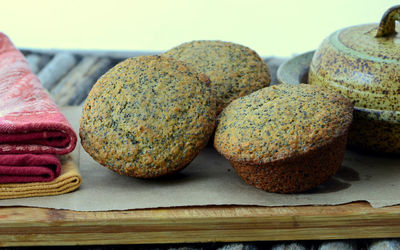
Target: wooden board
24, 226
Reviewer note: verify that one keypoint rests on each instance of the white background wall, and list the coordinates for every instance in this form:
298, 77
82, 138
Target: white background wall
279, 27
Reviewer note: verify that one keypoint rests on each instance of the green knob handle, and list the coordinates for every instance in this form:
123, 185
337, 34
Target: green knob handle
387, 27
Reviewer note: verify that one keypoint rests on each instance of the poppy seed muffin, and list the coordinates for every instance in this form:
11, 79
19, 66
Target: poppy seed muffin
234, 70
285, 138
147, 117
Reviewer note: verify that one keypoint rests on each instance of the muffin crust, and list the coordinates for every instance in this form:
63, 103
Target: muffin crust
285, 126
148, 116
234, 70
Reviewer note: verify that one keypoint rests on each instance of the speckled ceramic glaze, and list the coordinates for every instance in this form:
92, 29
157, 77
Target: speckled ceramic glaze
363, 63
372, 129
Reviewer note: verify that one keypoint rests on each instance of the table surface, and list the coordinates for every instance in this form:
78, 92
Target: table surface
27, 226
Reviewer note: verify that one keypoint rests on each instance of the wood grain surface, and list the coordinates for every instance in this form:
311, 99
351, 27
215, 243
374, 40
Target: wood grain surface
25, 226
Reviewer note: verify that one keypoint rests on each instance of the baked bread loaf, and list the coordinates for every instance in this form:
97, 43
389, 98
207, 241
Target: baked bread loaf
148, 116
234, 70
285, 138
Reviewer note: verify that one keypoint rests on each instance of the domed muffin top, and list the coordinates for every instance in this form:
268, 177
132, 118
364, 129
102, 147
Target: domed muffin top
234, 70
148, 116
281, 121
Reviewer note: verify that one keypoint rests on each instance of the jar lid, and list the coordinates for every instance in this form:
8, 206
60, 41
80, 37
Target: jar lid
362, 42
363, 63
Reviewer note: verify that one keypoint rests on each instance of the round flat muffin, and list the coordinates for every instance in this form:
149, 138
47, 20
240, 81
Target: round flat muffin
285, 138
234, 70
148, 116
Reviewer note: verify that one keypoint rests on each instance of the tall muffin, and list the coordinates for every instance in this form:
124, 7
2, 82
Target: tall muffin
234, 70
148, 116
285, 138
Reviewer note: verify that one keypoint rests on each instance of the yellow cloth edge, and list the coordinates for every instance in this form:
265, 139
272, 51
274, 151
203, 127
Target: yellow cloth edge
68, 181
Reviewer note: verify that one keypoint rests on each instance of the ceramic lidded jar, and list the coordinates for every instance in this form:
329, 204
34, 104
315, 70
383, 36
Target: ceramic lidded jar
363, 63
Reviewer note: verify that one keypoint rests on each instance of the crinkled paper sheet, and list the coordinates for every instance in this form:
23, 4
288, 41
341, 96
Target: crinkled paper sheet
210, 180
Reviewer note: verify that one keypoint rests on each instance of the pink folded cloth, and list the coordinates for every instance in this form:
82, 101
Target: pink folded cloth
29, 168
30, 122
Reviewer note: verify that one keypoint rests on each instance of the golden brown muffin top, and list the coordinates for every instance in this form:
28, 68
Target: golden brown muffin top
281, 121
234, 70
148, 116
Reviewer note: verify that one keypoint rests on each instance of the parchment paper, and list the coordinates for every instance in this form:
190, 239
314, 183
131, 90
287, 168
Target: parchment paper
210, 180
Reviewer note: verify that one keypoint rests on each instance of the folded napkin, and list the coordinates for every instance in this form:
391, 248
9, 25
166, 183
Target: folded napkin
69, 180
30, 122
29, 168
32, 132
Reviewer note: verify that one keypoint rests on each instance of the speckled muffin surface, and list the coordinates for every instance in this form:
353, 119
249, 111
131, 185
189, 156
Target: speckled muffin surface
234, 70
275, 137
148, 116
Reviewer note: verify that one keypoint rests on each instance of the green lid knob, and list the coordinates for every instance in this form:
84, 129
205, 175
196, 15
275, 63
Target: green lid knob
387, 25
